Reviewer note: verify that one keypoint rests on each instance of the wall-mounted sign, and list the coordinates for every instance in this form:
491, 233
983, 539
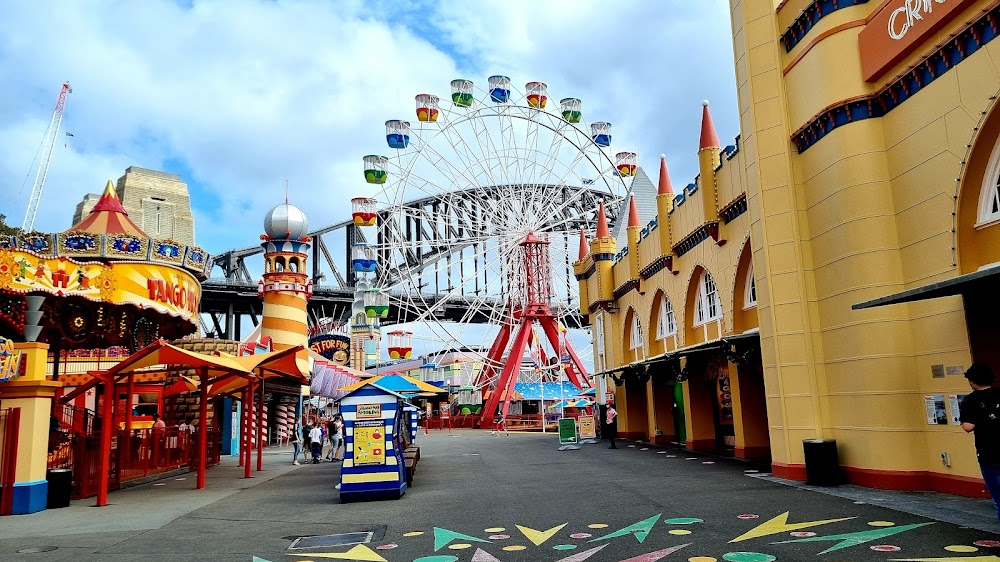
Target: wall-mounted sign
10, 360
369, 443
369, 411
335, 347
898, 27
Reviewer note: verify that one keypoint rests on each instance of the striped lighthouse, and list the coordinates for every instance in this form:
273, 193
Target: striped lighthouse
286, 287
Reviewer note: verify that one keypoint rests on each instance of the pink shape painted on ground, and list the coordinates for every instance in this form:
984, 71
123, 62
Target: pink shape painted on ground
885, 548
499, 537
802, 534
581, 556
483, 556
580, 536
987, 543
748, 516
389, 546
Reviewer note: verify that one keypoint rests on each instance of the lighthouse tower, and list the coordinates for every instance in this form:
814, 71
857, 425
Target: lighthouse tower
286, 287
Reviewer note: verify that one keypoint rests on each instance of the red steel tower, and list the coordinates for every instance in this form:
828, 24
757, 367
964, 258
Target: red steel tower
530, 303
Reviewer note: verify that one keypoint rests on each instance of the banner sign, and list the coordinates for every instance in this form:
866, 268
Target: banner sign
898, 28
369, 443
10, 360
334, 347
166, 289
368, 411
587, 428
567, 430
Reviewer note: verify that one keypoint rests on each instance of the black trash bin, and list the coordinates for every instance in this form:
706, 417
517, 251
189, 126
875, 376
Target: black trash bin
822, 462
60, 487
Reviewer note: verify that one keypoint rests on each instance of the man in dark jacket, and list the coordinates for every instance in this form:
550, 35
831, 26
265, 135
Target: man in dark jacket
980, 414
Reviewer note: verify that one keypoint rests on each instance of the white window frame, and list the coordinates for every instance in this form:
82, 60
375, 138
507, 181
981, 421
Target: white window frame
989, 193
750, 290
707, 305
635, 338
666, 324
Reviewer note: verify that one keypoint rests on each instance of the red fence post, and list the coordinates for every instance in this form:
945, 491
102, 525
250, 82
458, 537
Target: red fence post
8, 459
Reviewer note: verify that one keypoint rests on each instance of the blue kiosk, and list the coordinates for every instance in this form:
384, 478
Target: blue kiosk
377, 431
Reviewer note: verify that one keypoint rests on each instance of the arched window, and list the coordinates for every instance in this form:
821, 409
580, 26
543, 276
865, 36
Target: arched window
989, 199
666, 324
635, 341
599, 333
293, 265
707, 307
750, 294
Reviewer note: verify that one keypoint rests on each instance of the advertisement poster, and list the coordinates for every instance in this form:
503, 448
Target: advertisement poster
953, 401
587, 428
935, 410
369, 443
567, 430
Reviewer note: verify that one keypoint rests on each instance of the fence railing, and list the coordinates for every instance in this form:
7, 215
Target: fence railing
10, 424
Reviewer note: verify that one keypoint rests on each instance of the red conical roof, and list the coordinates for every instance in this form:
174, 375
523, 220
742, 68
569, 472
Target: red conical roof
708, 137
633, 212
584, 246
664, 188
109, 217
602, 222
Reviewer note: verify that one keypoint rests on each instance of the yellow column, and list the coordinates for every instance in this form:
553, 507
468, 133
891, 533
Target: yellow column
32, 393
749, 413
698, 416
650, 412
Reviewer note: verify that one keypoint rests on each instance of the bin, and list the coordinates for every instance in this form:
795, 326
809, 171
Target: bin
60, 487
822, 462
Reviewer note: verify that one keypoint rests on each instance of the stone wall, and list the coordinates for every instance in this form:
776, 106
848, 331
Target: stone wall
158, 203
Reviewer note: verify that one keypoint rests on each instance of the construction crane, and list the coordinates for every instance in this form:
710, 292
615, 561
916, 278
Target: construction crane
48, 146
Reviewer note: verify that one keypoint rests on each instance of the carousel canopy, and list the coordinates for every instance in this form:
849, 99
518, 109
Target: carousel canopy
108, 217
398, 383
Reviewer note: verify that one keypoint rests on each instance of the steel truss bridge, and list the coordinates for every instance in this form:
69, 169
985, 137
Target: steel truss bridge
426, 235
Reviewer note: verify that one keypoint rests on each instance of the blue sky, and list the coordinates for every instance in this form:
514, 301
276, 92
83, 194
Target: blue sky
236, 97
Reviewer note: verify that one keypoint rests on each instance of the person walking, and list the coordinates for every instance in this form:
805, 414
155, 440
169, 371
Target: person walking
611, 420
316, 442
297, 442
336, 437
979, 413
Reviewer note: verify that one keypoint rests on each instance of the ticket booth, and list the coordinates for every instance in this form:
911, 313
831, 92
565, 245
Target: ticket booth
377, 431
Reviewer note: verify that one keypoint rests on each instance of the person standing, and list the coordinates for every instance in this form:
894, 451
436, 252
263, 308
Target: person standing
297, 442
979, 413
316, 441
611, 420
336, 437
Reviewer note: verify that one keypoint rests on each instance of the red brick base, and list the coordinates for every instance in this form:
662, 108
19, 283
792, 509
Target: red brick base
896, 479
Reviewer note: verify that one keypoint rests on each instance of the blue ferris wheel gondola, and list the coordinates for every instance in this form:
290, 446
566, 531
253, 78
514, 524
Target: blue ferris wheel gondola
363, 259
499, 88
397, 133
600, 132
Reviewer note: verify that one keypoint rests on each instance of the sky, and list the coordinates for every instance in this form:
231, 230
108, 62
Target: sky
238, 96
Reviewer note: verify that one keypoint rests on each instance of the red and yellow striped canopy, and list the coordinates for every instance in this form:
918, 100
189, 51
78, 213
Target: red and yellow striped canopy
109, 217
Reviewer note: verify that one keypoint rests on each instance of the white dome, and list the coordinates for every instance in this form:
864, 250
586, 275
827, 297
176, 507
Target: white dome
286, 222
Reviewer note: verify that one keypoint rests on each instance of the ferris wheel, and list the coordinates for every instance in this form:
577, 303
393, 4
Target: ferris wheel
459, 191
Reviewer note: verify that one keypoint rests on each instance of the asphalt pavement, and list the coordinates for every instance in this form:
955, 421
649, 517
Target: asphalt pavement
481, 498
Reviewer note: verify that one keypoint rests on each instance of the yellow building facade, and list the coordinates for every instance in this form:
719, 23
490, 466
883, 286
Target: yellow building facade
829, 274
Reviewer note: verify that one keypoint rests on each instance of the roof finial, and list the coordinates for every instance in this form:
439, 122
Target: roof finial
708, 137
664, 188
602, 221
286, 192
633, 212
584, 246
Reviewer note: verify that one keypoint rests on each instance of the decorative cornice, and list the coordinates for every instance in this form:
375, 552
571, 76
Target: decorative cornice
954, 50
656, 266
589, 271
708, 230
809, 17
734, 208
626, 288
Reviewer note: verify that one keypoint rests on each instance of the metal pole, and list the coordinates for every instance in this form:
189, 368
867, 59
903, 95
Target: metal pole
249, 399
130, 389
203, 428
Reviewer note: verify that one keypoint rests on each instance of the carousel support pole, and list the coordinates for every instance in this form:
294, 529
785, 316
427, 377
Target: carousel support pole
249, 397
202, 428
56, 358
130, 389
262, 433
107, 426
243, 425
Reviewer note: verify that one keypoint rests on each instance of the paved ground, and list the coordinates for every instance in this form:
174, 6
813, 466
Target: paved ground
479, 498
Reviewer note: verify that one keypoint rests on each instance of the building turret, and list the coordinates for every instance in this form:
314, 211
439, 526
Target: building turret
664, 210
579, 270
633, 232
709, 157
602, 250
286, 287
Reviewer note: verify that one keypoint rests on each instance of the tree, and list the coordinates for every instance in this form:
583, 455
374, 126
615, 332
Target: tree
6, 229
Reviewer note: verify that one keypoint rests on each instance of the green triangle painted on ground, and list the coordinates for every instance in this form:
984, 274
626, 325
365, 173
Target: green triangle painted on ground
640, 529
846, 540
259, 559
443, 536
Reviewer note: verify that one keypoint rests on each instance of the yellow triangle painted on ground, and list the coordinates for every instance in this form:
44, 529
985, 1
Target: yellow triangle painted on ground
780, 524
359, 552
538, 537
